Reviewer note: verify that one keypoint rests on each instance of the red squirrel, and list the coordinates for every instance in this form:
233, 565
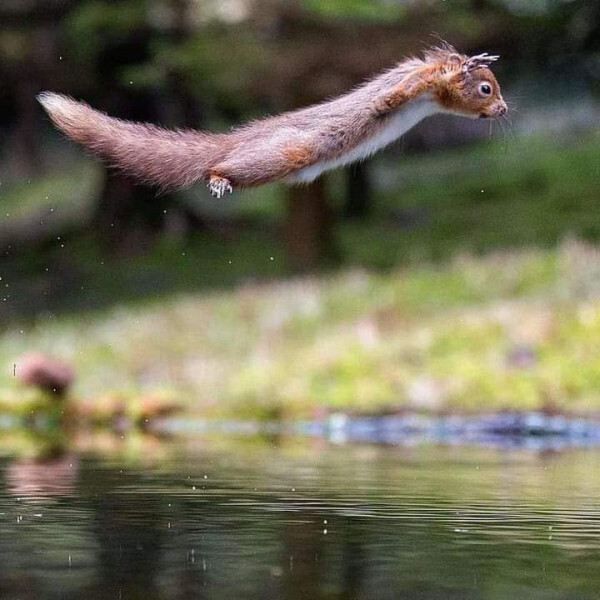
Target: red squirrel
295, 146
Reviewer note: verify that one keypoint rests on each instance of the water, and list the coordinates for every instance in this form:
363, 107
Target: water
219, 517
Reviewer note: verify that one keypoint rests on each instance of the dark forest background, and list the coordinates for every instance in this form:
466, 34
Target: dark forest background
222, 300
209, 64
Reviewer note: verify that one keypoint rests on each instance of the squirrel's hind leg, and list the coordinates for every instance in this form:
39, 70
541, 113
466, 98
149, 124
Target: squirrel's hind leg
219, 186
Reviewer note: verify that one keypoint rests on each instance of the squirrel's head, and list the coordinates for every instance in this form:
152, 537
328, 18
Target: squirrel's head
469, 87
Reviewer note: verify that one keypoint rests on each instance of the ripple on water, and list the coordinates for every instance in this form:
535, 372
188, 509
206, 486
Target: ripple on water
261, 521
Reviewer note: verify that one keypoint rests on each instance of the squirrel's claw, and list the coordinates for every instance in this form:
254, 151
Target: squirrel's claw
479, 61
219, 186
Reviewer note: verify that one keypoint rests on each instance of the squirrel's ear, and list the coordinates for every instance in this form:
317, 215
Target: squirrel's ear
479, 61
455, 59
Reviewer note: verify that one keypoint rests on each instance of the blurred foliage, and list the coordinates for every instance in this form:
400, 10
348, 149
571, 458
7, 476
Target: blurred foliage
211, 67
225, 52
426, 339
513, 193
370, 10
94, 24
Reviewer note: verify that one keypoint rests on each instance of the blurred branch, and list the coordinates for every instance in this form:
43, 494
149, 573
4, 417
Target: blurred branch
25, 13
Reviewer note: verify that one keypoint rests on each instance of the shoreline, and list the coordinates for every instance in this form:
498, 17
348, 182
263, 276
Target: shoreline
533, 429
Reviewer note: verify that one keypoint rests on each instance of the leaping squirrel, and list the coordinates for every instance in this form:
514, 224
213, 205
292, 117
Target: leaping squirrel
295, 146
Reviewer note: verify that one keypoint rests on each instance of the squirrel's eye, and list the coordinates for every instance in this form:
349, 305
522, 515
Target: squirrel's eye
485, 89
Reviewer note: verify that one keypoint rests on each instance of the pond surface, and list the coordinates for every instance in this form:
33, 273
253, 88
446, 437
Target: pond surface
218, 517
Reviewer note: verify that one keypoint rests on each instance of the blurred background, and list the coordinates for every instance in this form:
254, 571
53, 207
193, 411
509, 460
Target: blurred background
428, 321
456, 271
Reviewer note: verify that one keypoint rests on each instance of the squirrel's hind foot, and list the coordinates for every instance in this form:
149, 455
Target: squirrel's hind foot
219, 186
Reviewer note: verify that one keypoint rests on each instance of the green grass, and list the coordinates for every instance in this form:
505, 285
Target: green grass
48, 198
520, 193
427, 338
438, 295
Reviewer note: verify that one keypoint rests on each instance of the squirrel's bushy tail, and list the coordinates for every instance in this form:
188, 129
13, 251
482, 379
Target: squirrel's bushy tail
168, 159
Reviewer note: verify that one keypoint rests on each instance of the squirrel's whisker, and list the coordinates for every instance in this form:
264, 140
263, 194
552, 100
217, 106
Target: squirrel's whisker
508, 128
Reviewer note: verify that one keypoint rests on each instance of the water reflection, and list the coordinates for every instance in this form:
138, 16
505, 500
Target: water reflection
216, 517
43, 477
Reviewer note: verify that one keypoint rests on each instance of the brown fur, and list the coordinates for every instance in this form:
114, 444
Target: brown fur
297, 157
277, 147
460, 95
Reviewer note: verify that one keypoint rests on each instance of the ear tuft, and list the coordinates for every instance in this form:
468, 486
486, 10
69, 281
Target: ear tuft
479, 61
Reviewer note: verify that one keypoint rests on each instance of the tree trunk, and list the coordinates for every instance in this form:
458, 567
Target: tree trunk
308, 229
301, 549
128, 216
358, 191
32, 75
25, 150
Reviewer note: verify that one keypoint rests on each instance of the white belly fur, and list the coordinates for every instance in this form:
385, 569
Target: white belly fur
400, 123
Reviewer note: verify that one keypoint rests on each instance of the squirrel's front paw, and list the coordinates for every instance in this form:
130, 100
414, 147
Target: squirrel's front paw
381, 106
389, 102
219, 186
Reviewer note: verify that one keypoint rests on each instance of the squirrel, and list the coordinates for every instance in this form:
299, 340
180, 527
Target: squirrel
296, 146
